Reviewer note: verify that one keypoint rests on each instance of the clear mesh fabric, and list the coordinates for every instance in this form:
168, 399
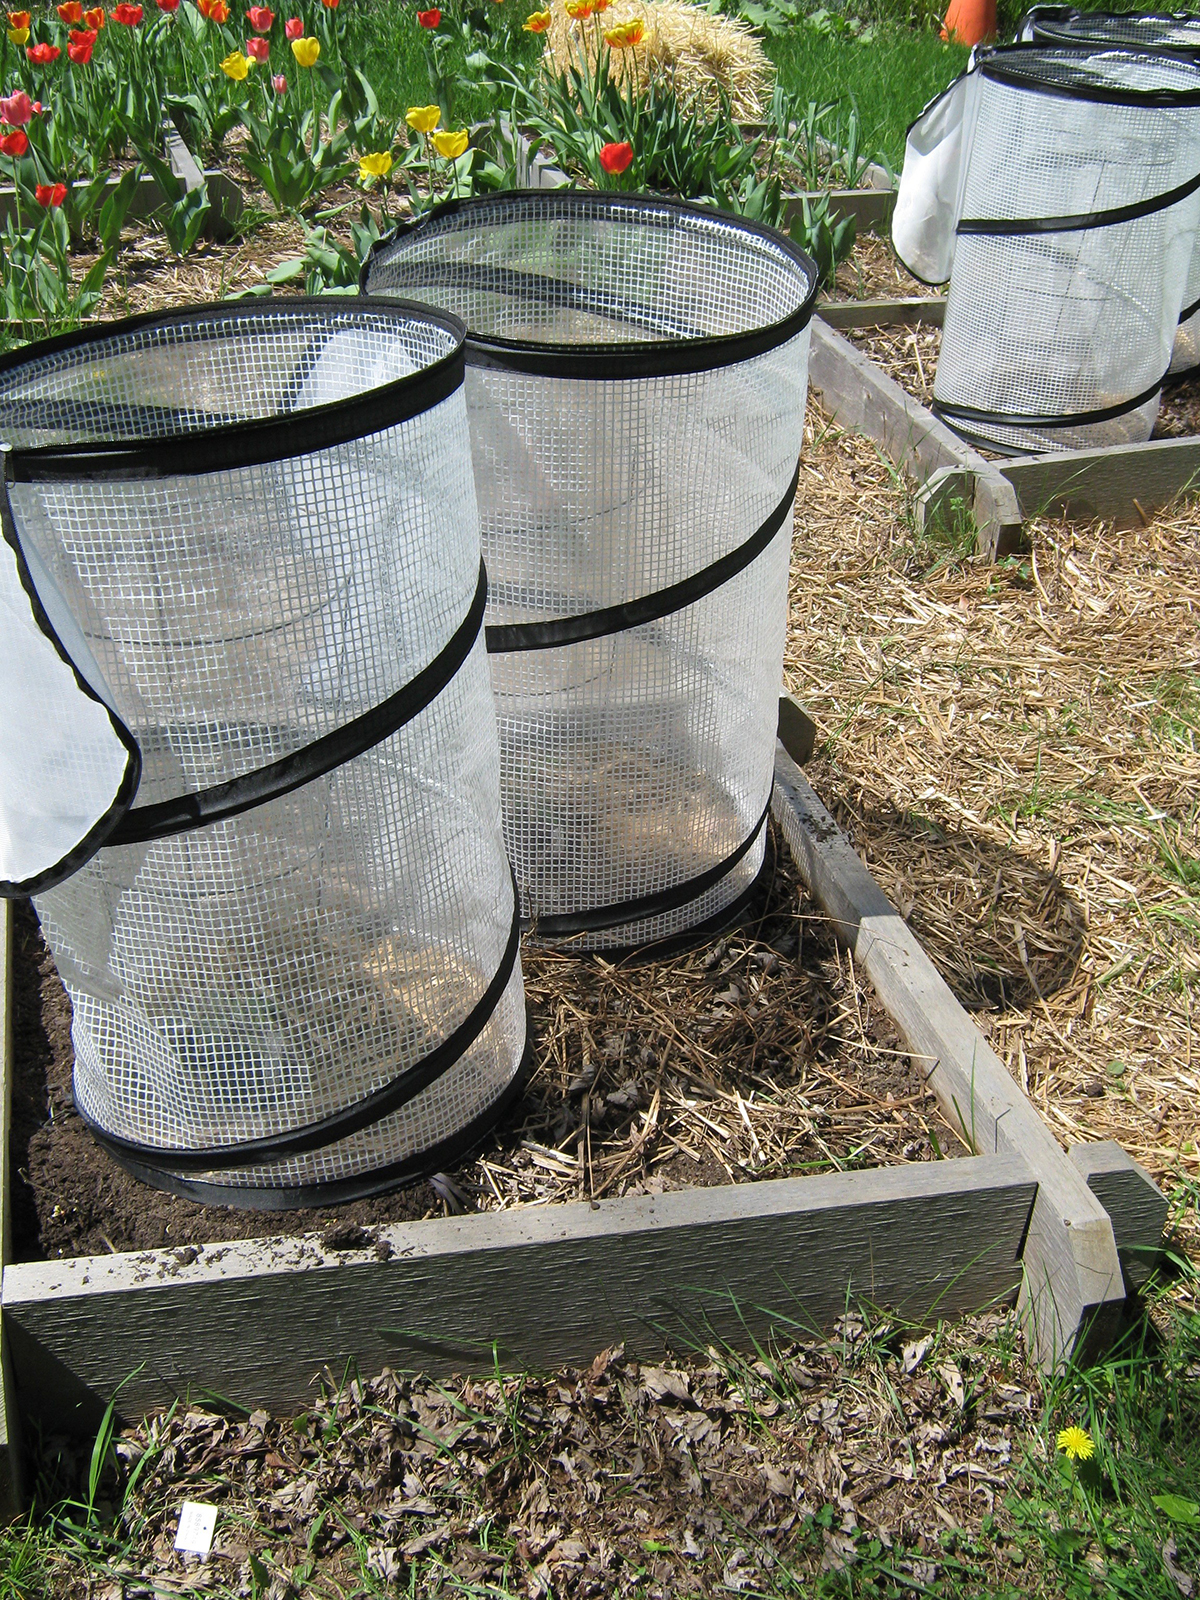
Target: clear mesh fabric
1071, 321
259, 973
634, 762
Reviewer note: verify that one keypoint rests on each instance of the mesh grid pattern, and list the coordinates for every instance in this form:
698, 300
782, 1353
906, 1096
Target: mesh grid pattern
1072, 321
636, 761
259, 973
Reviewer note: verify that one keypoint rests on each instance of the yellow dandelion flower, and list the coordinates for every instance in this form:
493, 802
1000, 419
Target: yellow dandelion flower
236, 66
450, 145
423, 118
1076, 1444
536, 22
306, 51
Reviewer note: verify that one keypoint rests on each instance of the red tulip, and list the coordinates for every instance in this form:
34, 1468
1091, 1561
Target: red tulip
261, 18
50, 194
258, 49
429, 19
331, 5
127, 14
80, 46
279, 83
71, 13
615, 158
94, 18
294, 28
42, 54
13, 144
167, 5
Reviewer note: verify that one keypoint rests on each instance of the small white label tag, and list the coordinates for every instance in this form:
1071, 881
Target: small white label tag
196, 1525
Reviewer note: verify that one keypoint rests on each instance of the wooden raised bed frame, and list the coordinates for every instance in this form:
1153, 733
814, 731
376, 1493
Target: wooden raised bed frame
538, 1287
1127, 483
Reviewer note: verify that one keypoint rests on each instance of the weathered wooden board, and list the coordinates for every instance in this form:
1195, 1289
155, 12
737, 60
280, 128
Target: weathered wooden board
927, 311
871, 208
797, 730
11, 1486
1135, 1204
859, 395
1128, 482
539, 1285
1073, 1289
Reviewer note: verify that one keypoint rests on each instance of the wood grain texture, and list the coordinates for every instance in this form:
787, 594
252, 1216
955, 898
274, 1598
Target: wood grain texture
1072, 1289
1136, 1206
859, 395
11, 1484
543, 1285
1128, 482
926, 311
797, 730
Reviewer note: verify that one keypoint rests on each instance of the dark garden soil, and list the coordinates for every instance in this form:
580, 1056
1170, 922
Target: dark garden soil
758, 1055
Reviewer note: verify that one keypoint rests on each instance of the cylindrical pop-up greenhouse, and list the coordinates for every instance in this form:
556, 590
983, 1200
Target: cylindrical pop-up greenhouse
636, 380
242, 564
1059, 191
1178, 34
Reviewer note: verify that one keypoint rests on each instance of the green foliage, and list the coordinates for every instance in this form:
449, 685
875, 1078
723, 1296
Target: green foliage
826, 240
41, 295
328, 266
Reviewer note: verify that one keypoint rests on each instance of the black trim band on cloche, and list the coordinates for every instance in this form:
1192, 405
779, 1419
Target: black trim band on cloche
100, 830
381, 1103
1004, 227
1011, 65
505, 637
187, 811
641, 909
620, 359
336, 1191
1069, 419
250, 442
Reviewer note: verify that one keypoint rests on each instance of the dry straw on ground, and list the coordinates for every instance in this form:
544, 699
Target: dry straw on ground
1016, 752
707, 57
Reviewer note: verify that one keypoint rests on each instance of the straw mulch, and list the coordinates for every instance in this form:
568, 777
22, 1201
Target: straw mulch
1014, 749
708, 57
757, 1055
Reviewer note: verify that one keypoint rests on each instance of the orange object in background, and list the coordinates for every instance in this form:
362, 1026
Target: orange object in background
970, 21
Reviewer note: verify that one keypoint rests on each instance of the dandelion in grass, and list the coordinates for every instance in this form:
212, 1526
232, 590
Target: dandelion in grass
536, 22
1076, 1444
377, 165
450, 145
306, 51
424, 119
236, 66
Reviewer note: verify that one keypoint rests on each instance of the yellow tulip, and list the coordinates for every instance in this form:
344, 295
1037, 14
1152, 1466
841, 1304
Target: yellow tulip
306, 51
236, 66
450, 145
423, 118
579, 9
375, 166
625, 34
536, 22
18, 35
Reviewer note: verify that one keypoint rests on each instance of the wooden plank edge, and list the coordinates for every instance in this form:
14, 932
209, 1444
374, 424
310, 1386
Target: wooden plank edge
859, 395
797, 731
12, 1488
926, 311
535, 1287
1136, 1206
1126, 482
1073, 1288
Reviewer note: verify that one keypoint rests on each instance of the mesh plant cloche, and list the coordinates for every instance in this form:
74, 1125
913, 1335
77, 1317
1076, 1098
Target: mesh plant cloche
1058, 189
636, 382
250, 770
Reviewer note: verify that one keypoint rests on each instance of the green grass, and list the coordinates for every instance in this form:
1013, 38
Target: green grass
887, 80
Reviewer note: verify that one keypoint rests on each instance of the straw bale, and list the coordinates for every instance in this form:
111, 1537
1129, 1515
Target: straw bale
705, 55
1015, 751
